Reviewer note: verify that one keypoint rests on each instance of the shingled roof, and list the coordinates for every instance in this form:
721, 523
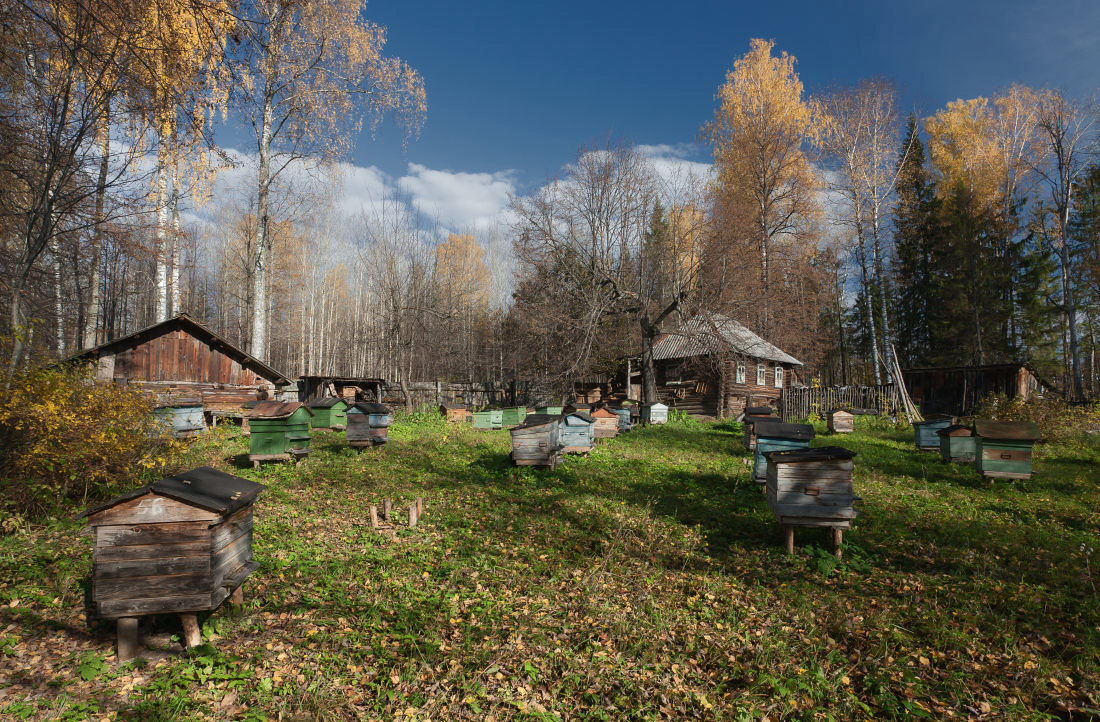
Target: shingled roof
712, 333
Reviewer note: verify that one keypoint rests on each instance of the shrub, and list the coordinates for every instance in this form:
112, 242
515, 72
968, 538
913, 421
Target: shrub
66, 437
1057, 419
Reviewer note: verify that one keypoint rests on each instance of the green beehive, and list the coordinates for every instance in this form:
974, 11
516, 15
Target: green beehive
329, 413
489, 419
777, 436
272, 424
957, 444
924, 432
1003, 450
549, 410
513, 416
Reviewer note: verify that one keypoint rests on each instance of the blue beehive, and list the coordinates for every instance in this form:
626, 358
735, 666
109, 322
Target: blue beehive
777, 436
925, 432
577, 431
624, 419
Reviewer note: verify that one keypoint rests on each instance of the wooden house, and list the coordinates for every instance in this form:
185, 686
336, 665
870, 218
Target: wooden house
811, 487
956, 390
841, 421
656, 413
178, 546
350, 388
712, 366
577, 430
537, 441
512, 416
957, 444
330, 412
368, 424
278, 431
925, 433
180, 359
607, 424
489, 419
1004, 448
752, 415
777, 436
625, 423
456, 413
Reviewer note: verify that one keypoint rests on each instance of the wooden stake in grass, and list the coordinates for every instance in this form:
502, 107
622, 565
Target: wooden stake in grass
419, 507
838, 537
788, 538
191, 635
127, 638
373, 516
387, 505
412, 516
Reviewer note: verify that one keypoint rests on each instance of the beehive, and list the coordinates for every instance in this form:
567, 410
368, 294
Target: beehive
752, 415
271, 425
924, 432
774, 435
811, 487
537, 441
489, 419
178, 546
841, 421
577, 432
183, 418
625, 423
455, 412
957, 444
368, 424
655, 413
607, 424
329, 413
512, 416
549, 410
1004, 448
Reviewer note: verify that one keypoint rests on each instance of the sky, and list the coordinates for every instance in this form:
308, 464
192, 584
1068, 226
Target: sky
516, 88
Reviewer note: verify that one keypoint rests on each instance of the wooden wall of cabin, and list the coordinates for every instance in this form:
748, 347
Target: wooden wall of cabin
959, 390
699, 388
736, 395
177, 356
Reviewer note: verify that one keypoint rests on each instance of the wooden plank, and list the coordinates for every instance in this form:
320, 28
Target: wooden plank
166, 585
233, 554
142, 552
150, 509
151, 567
151, 534
231, 527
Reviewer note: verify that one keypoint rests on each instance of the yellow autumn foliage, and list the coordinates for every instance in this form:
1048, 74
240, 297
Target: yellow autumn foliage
65, 437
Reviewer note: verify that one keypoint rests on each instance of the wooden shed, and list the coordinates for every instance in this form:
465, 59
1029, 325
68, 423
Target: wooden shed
656, 413
957, 444
178, 546
577, 431
1004, 448
368, 424
607, 424
330, 412
457, 413
537, 441
812, 487
774, 435
278, 431
350, 388
957, 390
841, 421
752, 415
925, 433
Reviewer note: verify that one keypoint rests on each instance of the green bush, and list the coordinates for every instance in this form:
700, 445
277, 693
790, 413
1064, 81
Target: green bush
1057, 420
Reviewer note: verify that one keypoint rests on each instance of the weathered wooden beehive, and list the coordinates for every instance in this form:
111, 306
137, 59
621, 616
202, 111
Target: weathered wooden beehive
623, 415
330, 412
606, 424
841, 421
957, 444
278, 431
752, 415
774, 435
512, 416
183, 418
655, 413
1004, 448
577, 432
368, 424
811, 487
178, 546
489, 419
925, 432
537, 441
455, 412
549, 410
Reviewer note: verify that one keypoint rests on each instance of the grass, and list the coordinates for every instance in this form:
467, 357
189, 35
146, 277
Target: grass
646, 581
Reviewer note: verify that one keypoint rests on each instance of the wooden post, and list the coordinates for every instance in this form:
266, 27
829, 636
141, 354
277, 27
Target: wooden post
373, 510
191, 635
788, 538
387, 505
838, 537
237, 597
412, 516
419, 507
127, 638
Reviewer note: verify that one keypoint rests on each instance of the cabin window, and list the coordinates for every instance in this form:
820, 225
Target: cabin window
674, 373
740, 373
761, 375
778, 377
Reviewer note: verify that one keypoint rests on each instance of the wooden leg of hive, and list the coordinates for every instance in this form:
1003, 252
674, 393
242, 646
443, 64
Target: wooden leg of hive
412, 516
127, 638
419, 507
387, 506
788, 538
191, 635
237, 597
255, 463
838, 538
373, 510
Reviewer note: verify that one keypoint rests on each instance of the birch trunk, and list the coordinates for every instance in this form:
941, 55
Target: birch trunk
174, 258
258, 345
90, 332
160, 243
58, 301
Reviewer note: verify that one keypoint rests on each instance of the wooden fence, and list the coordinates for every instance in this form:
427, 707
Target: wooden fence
799, 403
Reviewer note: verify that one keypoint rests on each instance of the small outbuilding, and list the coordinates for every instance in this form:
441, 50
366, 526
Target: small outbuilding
456, 413
368, 424
537, 441
774, 435
841, 421
1004, 448
812, 487
329, 412
656, 413
752, 415
577, 431
607, 424
957, 444
180, 545
926, 433
278, 431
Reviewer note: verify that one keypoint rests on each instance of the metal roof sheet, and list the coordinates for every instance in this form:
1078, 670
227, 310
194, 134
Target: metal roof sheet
326, 403
822, 453
204, 487
1007, 430
712, 333
776, 429
275, 409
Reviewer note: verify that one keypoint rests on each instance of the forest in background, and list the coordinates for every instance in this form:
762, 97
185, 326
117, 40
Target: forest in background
831, 222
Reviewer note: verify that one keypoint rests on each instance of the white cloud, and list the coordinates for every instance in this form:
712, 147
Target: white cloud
459, 200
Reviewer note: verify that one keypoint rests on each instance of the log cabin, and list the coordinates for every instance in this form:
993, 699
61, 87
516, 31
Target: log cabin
956, 390
712, 366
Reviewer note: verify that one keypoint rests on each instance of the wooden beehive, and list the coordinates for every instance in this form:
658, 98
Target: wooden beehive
841, 421
489, 419
774, 435
182, 417
957, 444
924, 432
752, 415
330, 412
655, 413
549, 410
178, 546
455, 412
537, 441
1004, 448
607, 424
278, 431
625, 424
577, 432
811, 487
368, 424
512, 416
